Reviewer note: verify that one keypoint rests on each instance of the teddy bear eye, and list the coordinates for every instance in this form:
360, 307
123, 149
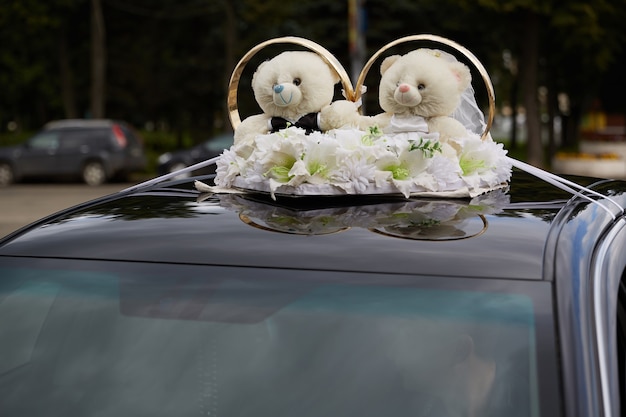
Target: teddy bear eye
297, 81
421, 87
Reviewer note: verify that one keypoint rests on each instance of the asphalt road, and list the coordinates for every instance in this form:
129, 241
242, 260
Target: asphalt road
21, 204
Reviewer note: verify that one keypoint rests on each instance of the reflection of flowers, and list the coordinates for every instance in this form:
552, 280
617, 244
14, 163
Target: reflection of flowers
430, 219
349, 161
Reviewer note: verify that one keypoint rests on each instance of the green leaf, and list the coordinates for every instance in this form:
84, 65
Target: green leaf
428, 147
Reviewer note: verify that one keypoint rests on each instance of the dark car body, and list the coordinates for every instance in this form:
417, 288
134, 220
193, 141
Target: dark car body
92, 150
176, 160
161, 300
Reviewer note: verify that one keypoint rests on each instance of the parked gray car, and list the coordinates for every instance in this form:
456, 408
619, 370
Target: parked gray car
94, 151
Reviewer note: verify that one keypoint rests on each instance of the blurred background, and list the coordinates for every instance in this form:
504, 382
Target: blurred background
163, 66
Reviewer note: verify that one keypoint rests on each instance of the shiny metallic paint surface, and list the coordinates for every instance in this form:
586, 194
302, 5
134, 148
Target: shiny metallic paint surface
171, 224
574, 247
175, 227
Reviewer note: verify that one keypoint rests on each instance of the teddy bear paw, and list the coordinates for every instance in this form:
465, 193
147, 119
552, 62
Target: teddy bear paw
341, 113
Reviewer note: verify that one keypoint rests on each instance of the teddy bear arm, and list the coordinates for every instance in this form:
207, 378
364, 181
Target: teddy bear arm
447, 127
250, 127
381, 121
338, 114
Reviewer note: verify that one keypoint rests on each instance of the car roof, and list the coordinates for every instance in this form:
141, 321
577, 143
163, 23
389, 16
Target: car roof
79, 123
173, 223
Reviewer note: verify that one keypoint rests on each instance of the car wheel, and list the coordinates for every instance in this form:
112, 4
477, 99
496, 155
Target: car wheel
94, 173
6, 174
178, 166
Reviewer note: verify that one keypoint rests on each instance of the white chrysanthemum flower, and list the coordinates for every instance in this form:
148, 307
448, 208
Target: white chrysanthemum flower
253, 172
445, 173
228, 167
354, 174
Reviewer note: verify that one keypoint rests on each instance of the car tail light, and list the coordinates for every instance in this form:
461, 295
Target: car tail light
119, 136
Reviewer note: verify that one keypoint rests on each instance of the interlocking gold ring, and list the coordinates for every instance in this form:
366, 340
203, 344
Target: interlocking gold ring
233, 111
438, 39
354, 94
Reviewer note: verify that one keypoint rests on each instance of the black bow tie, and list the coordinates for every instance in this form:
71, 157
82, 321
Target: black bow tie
307, 122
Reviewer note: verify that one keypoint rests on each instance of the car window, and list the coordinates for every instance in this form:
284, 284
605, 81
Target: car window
235, 341
73, 139
129, 135
45, 140
100, 137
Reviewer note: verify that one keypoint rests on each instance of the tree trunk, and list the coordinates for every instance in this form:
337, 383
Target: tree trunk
98, 60
67, 79
514, 113
528, 74
552, 112
230, 32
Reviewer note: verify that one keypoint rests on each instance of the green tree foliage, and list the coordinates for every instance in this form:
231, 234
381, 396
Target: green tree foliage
169, 61
566, 46
28, 58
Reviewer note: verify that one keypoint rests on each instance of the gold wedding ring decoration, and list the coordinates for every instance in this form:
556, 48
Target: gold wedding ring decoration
442, 238
354, 93
233, 86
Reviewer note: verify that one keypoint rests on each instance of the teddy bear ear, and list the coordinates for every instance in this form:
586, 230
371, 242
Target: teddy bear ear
462, 74
335, 75
388, 62
336, 78
256, 72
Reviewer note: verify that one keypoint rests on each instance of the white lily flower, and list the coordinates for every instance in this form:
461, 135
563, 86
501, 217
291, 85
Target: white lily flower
350, 139
298, 174
406, 167
320, 158
483, 163
277, 156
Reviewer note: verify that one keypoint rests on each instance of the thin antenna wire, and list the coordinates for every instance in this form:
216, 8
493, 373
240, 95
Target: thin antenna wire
172, 174
557, 181
566, 185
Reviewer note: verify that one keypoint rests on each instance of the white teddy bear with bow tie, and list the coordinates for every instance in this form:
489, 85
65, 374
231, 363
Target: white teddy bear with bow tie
295, 88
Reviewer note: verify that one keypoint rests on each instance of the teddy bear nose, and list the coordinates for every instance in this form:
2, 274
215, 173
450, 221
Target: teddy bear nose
278, 88
404, 88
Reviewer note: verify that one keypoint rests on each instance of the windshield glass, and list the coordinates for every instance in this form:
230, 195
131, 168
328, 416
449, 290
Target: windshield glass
126, 339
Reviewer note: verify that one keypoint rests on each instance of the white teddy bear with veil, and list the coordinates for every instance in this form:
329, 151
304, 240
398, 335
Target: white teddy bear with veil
421, 92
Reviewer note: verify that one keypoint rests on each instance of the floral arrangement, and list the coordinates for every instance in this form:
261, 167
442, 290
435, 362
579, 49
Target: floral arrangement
351, 161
